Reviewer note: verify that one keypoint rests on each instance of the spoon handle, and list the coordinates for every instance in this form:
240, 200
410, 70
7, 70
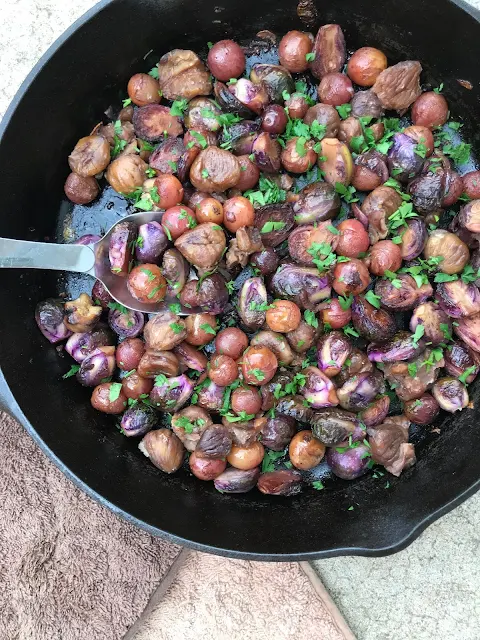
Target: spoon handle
21, 254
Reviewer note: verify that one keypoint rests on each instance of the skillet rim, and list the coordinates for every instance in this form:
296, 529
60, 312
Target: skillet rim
12, 407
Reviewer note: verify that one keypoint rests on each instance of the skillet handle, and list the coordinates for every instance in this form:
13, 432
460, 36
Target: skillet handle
21, 254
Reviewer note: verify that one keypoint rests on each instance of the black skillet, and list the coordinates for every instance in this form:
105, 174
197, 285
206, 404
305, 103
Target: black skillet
64, 96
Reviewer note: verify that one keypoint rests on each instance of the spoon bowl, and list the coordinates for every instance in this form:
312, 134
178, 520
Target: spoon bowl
92, 259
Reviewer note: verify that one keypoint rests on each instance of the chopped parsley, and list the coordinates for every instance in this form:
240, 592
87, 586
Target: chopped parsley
373, 299
208, 329
179, 107
468, 372
269, 459
257, 373
347, 193
176, 328
154, 73
419, 332
345, 302
114, 391
73, 370
344, 110
272, 226
310, 57
311, 318
400, 216
268, 192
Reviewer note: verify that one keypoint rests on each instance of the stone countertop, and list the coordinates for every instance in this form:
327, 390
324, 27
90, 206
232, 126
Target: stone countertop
429, 590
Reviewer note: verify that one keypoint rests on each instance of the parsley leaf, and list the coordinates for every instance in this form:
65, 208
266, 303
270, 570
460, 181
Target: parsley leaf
310, 57
269, 459
311, 318
468, 372
272, 226
419, 332
178, 107
373, 299
114, 392
73, 370
344, 110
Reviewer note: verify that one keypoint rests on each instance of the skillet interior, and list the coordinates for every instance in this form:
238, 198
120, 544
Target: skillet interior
63, 99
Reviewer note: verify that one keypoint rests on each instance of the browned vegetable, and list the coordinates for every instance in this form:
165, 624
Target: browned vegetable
90, 156
202, 246
365, 66
126, 173
143, 89
329, 49
154, 122
325, 115
182, 74
164, 449
164, 331
81, 190
214, 170
399, 86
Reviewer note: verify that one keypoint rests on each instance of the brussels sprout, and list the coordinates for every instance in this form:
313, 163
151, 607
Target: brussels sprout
427, 192
359, 391
333, 426
81, 345
401, 293
376, 412
49, 318
252, 303
97, 368
294, 406
333, 350
151, 242
316, 202
278, 214
318, 390
458, 299
277, 79
239, 138
403, 346
253, 96
210, 397
371, 323
171, 394
303, 285
461, 361
277, 432
414, 238
434, 320
450, 394
137, 420
126, 323
424, 410
267, 152
347, 462
237, 481
229, 102
468, 329
403, 161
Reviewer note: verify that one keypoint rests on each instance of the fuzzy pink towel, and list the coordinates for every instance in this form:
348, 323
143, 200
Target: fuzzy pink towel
71, 570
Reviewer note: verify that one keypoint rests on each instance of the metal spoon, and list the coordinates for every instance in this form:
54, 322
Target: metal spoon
91, 259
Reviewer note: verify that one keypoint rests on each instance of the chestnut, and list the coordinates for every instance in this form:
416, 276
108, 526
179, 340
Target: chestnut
238, 212
305, 450
335, 89
246, 458
223, 370
283, 316
164, 449
201, 329
350, 277
143, 89
249, 174
430, 110
215, 443
453, 252
384, 256
274, 119
90, 156
109, 397
285, 482
365, 65
129, 353
298, 155
353, 239
293, 50
259, 365
231, 342
226, 60
206, 468
246, 400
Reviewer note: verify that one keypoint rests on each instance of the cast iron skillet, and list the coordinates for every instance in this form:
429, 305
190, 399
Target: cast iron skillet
66, 93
